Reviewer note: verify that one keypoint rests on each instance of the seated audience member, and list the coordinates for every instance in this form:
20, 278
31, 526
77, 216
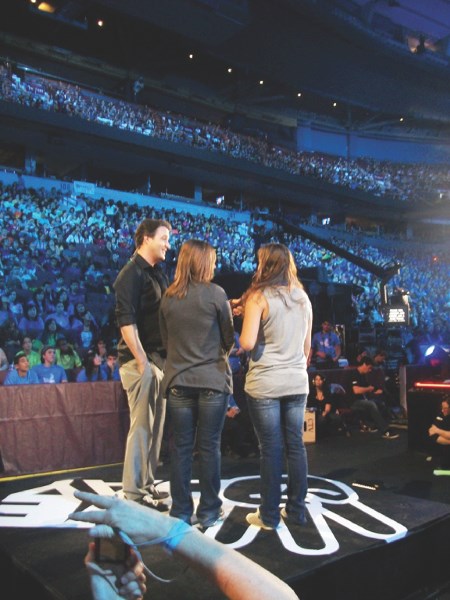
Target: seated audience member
439, 433
76, 295
34, 358
5, 313
102, 350
81, 311
389, 395
21, 374
235, 575
48, 371
104, 286
361, 352
325, 348
15, 306
110, 368
321, 400
51, 332
61, 316
74, 270
363, 402
42, 305
31, 323
4, 362
67, 357
85, 339
64, 298
49, 296
380, 358
91, 370
13, 338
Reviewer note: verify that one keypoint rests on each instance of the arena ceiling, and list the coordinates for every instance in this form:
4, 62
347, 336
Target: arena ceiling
327, 51
293, 46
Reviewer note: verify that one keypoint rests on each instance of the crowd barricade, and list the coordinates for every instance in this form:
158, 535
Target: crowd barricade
51, 427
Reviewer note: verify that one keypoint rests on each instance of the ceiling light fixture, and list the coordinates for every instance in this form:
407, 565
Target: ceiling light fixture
46, 7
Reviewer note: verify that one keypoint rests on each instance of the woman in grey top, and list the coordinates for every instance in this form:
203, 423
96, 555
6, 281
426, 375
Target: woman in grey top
197, 331
277, 331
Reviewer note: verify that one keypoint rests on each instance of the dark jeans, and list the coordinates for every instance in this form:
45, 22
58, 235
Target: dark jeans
201, 412
370, 408
278, 423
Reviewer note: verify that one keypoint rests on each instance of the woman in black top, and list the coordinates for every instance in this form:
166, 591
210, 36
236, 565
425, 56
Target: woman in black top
321, 400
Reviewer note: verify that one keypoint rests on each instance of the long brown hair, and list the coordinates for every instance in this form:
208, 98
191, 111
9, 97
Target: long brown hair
276, 268
196, 262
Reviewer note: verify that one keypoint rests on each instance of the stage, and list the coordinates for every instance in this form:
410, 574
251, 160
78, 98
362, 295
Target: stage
387, 537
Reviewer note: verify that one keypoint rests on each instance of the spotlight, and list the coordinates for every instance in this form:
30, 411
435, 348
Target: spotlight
438, 358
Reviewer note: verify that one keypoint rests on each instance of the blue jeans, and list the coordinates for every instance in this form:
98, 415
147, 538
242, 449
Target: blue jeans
196, 411
370, 408
278, 424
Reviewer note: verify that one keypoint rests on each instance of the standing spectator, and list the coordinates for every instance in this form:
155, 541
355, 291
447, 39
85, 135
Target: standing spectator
47, 371
326, 347
277, 330
139, 288
21, 374
197, 330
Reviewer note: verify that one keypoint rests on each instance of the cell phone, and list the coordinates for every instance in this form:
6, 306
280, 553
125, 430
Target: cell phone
111, 550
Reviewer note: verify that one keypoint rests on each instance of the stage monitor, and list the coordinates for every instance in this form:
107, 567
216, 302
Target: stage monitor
396, 314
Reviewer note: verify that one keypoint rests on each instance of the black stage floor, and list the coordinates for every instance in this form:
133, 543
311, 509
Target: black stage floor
391, 542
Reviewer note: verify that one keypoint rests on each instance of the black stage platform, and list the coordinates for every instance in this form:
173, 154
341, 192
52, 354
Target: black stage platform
391, 542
